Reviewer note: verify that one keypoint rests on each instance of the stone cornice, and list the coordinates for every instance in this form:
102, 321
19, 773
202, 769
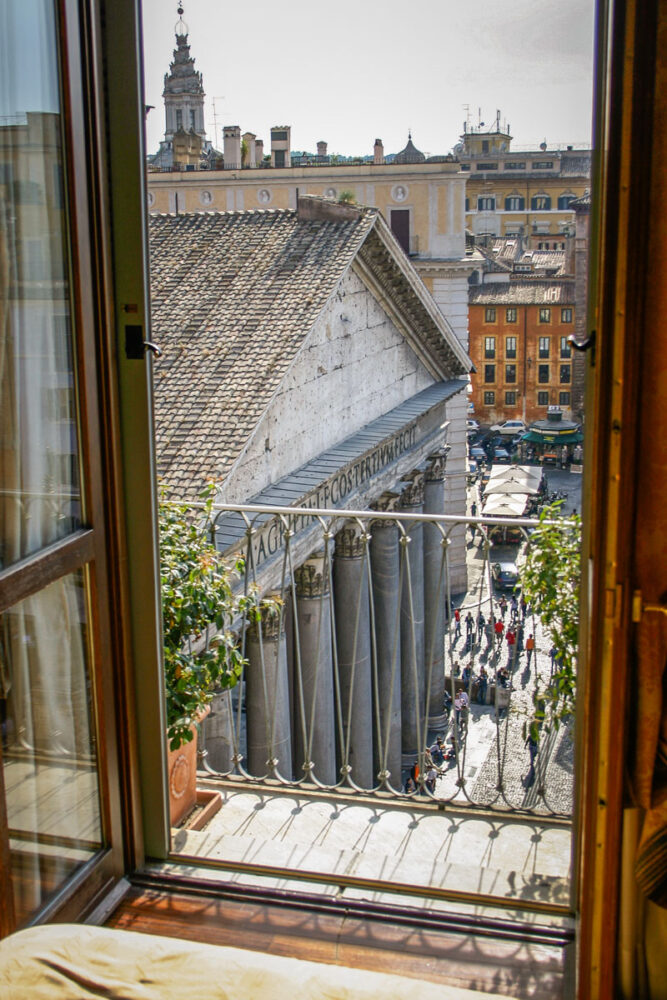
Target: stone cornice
394, 281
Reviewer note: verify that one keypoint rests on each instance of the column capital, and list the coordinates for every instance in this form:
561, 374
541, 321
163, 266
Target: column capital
387, 501
271, 619
437, 465
350, 541
310, 579
413, 493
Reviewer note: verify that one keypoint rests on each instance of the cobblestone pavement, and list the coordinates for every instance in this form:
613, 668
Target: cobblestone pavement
491, 761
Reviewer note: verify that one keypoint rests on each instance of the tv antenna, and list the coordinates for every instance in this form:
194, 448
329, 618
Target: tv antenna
216, 116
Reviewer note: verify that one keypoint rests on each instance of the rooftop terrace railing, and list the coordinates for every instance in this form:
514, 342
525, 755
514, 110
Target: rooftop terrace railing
354, 675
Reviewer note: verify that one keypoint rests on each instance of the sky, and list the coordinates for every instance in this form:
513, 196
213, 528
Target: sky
356, 70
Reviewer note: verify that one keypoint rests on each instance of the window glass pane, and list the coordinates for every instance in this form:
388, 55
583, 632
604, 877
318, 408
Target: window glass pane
49, 753
39, 464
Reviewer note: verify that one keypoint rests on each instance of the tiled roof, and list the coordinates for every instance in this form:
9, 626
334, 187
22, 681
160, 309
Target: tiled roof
233, 298
531, 292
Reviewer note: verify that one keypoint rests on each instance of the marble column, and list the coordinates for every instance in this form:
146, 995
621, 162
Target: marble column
218, 733
353, 645
314, 720
385, 573
267, 696
435, 590
412, 621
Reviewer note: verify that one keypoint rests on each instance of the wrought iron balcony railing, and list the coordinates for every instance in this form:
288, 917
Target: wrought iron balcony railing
354, 675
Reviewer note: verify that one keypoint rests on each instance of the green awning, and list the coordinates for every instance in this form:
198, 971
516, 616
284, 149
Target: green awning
537, 437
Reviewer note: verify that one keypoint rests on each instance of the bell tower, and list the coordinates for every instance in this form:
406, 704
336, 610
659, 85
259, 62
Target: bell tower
183, 89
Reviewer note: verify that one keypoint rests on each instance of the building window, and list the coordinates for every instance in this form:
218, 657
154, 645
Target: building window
565, 347
465, 166
543, 399
489, 315
545, 315
489, 398
399, 222
510, 317
564, 373
566, 315
540, 203
487, 204
487, 166
515, 165
543, 373
542, 165
564, 398
510, 347
192, 120
510, 373
489, 347
489, 373
565, 201
515, 203
510, 399
467, 204
544, 347
179, 119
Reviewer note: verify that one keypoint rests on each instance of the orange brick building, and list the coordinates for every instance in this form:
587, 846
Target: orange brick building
519, 345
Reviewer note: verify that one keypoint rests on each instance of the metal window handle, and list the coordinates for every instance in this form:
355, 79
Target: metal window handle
582, 345
136, 346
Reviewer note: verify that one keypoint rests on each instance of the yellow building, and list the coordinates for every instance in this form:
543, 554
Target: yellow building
423, 202
513, 191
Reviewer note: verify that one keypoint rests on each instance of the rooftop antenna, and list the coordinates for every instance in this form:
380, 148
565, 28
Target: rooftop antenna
216, 115
466, 123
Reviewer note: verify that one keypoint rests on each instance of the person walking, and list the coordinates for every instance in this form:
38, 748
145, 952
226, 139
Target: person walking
464, 710
533, 746
482, 684
481, 622
530, 648
502, 603
523, 606
510, 638
552, 654
457, 623
519, 638
499, 629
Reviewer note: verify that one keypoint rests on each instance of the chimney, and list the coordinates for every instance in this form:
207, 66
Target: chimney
259, 151
281, 146
321, 148
378, 152
311, 206
251, 150
231, 135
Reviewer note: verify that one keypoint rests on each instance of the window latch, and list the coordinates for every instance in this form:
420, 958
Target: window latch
639, 609
136, 346
583, 345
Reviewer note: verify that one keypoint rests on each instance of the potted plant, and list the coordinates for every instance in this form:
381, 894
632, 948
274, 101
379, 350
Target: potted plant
201, 652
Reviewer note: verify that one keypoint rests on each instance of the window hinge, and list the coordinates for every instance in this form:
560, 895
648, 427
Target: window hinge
639, 609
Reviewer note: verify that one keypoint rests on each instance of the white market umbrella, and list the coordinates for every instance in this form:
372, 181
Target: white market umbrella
501, 505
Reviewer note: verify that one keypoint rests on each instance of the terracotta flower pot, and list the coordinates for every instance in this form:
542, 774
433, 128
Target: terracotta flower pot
182, 776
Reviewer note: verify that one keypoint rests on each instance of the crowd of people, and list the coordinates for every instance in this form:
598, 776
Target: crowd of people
506, 628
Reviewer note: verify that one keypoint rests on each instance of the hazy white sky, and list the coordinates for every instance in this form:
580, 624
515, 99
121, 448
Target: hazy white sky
351, 71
